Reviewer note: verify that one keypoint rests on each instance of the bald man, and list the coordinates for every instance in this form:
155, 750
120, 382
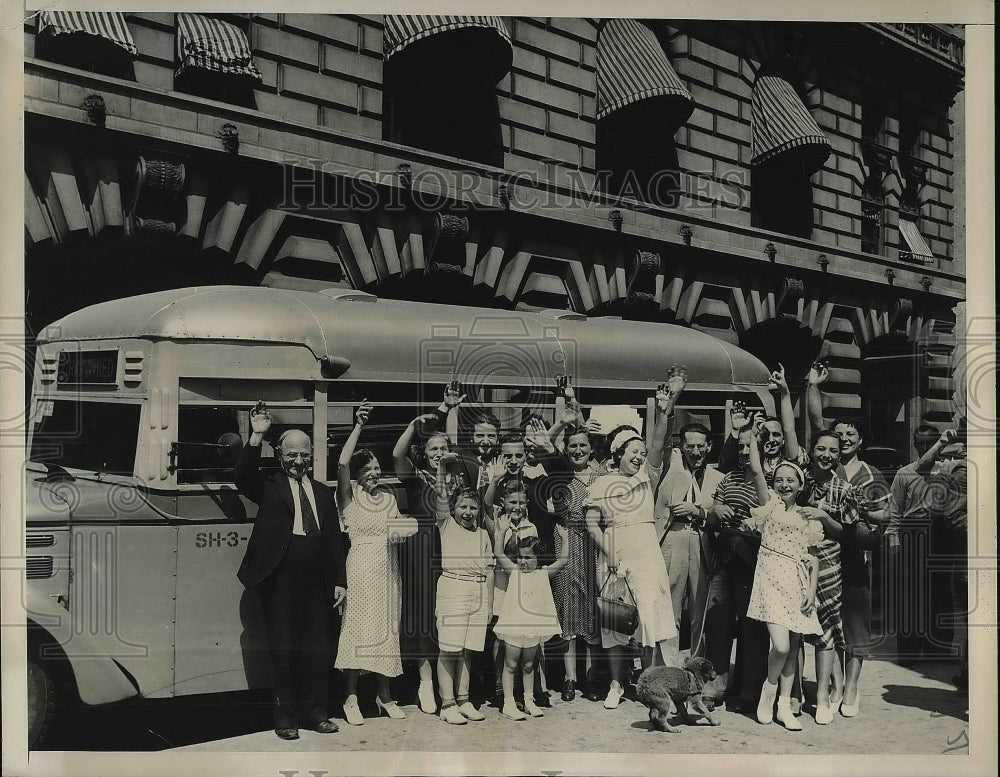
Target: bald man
295, 559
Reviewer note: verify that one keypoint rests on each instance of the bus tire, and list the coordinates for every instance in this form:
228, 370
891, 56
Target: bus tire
41, 702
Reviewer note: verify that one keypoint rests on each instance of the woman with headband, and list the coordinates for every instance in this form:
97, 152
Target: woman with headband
624, 499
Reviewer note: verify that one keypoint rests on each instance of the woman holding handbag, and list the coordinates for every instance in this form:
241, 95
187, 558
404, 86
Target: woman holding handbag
624, 500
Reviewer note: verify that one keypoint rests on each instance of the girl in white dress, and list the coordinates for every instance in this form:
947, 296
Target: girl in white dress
784, 587
528, 613
369, 635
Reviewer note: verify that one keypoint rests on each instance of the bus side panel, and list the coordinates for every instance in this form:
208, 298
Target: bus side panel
221, 642
123, 593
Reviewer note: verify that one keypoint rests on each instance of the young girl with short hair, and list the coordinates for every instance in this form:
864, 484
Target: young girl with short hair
528, 615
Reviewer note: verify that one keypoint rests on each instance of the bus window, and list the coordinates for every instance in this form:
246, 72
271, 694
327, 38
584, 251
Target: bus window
210, 438
379, 436
92, 436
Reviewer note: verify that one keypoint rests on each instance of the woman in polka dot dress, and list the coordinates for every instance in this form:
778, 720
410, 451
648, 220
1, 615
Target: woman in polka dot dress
369, 636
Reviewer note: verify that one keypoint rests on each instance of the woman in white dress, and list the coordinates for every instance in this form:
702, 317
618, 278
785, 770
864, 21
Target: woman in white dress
784, 586
624, 501
369, 635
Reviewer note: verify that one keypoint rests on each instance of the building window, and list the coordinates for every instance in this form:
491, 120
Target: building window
787, 147
640, 104
97, 42
214, 60
877, 158
440, 76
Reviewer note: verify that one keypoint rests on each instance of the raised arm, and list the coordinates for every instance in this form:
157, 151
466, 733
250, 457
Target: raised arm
442, 507
756, 468
401, 452
248, 479
499, 532
817, 376
785, 412
344, 493
925, 464
571, 415
667, 395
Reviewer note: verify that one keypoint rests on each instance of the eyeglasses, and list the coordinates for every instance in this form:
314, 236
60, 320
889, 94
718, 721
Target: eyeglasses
296, 456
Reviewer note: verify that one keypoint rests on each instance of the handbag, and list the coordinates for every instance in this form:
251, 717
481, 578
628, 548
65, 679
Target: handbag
617, 609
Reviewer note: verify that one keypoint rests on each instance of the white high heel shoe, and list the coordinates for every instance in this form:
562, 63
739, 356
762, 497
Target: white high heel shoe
390, 708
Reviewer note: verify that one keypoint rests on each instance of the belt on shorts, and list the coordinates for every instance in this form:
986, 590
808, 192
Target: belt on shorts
472, 577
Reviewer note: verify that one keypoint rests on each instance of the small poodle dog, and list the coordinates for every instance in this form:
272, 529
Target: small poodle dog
667, 689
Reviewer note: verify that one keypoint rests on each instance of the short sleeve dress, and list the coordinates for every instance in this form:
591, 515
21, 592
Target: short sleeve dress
369, 635
626, 504
528, 615
781, 576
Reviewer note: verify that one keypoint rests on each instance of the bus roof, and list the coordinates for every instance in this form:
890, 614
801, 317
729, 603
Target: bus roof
385, 339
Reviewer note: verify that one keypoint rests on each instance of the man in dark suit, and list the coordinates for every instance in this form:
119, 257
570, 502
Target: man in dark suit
295, 559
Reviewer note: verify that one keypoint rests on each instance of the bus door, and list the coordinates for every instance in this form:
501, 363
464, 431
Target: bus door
221, 641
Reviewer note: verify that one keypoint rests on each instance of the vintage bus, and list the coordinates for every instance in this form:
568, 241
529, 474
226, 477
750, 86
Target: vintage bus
139, 408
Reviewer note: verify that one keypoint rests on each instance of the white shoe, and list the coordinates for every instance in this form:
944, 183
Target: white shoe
352, 712
532, 709
470, 711
390, 708
785, 716
765, 707
824, 714
511, 711
614, 697
425, 696
851, 710
453, 716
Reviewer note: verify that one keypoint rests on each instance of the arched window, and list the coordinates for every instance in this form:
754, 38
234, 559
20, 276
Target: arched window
640, 104
787, 147
441, 74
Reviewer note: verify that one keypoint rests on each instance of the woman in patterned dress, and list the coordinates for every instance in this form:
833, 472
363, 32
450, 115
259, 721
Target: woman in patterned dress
833, 501
369, 636
575, 586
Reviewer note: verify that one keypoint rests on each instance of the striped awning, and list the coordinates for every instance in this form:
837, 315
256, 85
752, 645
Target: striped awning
632, 66
401, 31
213, 44
918, 250
779, 123
110, 26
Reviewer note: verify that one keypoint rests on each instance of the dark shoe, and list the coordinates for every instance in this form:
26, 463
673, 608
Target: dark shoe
497, 700
287, 733
542, 700
326, 727
592, 694
569, 690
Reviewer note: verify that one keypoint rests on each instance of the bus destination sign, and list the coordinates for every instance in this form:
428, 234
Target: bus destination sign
94, 368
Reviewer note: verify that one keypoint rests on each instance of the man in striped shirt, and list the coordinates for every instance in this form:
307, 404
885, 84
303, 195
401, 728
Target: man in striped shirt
729, 592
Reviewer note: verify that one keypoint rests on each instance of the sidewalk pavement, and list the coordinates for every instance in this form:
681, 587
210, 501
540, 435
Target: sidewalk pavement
912, 710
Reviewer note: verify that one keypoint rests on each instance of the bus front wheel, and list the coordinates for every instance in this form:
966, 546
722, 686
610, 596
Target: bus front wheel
41, 702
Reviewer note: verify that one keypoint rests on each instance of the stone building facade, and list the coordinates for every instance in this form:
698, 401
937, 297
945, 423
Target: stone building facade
786, 187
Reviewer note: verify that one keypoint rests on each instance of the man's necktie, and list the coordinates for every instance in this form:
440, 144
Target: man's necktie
309, 525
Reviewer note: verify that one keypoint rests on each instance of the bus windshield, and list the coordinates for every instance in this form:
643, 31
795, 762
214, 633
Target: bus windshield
91, 436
